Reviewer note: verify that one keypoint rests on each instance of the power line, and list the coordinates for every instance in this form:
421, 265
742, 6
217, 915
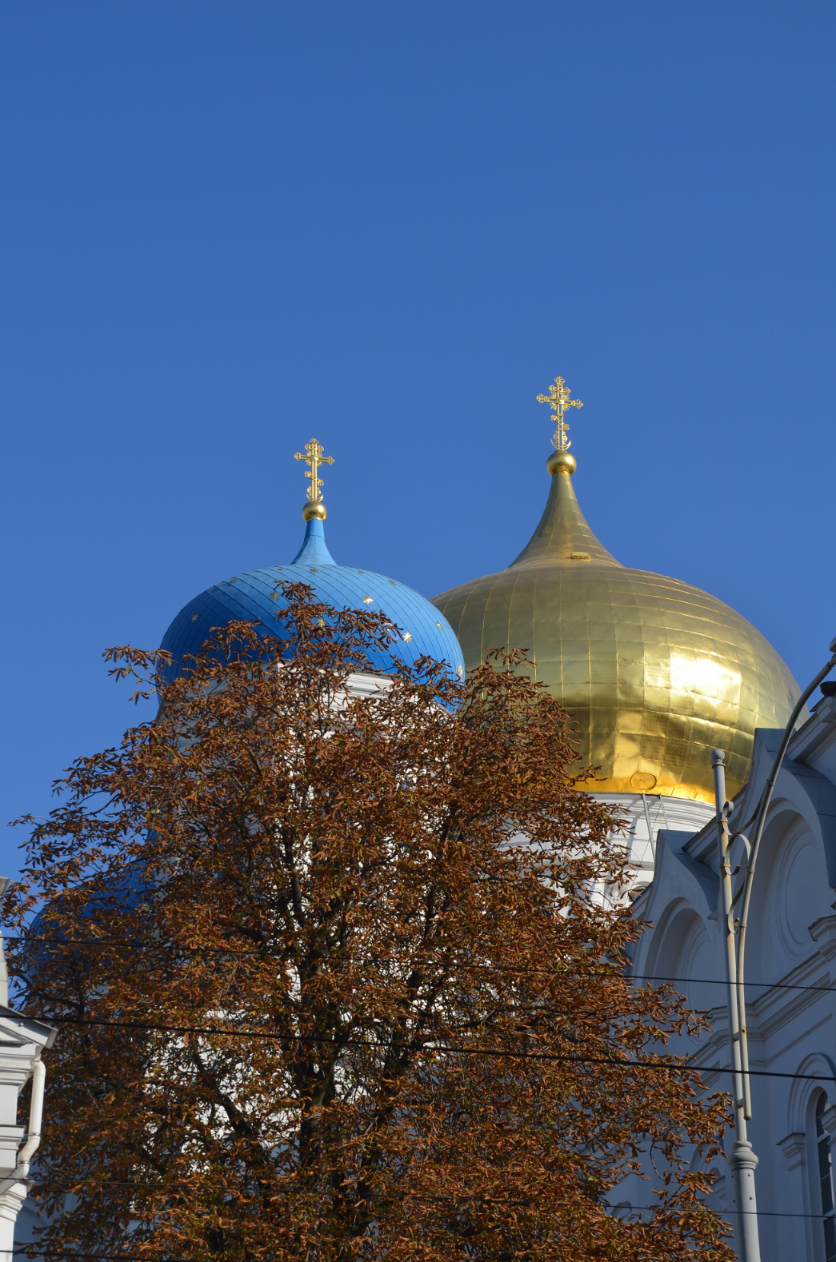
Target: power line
442, 1049
615, 975
37, 1252
473, 1196
721, 981
732, 1213
452, 1199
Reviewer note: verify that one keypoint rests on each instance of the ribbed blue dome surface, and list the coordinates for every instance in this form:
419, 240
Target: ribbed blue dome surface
421, 629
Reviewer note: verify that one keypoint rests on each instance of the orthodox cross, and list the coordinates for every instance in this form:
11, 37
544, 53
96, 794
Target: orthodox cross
314, 457
558, 399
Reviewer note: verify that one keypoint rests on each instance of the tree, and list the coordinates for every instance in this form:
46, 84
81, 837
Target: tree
330, 980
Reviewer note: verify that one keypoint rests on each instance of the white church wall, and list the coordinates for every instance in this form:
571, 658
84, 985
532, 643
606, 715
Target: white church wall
643, 815
22, 1042
791, 981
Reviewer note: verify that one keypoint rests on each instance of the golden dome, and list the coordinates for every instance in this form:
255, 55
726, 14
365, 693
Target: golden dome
654, 672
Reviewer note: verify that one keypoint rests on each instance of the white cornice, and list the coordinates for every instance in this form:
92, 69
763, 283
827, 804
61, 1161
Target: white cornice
817, 733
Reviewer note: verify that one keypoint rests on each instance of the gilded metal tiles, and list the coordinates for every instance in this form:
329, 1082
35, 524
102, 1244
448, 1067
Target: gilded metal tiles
655, 673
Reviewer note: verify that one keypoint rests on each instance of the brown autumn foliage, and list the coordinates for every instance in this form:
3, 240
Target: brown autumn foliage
317, 1002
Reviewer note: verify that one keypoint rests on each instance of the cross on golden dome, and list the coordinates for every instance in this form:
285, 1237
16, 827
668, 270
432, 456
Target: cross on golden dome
314, 457
558, 400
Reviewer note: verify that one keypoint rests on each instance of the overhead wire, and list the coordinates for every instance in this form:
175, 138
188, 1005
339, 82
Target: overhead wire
612, 1208
613, 975
439, 1048
35, 1252
607, 1205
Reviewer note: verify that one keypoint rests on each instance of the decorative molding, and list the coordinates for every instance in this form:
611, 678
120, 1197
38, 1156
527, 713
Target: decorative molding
817, 732
824, 931
794, 1148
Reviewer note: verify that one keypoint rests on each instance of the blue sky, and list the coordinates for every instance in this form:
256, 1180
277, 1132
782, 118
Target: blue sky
226, 228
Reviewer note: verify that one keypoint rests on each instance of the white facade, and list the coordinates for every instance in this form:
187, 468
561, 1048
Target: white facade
21, 1043
790, 975
645, 815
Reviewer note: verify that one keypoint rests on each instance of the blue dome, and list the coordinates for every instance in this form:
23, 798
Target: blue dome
421, 629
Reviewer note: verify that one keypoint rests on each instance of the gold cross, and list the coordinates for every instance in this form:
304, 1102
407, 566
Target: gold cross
314, 457
558, 399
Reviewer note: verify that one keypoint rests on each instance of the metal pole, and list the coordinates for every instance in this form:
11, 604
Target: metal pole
742, 1161
753, 849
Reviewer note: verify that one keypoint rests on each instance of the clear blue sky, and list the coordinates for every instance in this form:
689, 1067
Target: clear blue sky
227, 227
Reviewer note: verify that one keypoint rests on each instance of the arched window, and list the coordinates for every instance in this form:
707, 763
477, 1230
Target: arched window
825, 1163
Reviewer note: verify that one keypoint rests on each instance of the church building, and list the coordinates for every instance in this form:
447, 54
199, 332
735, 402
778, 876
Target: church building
656, 674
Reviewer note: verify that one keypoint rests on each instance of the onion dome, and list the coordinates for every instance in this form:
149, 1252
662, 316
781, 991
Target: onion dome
419, 629
654, 672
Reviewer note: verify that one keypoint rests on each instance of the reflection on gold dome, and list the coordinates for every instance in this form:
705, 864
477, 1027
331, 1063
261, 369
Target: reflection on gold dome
655, 673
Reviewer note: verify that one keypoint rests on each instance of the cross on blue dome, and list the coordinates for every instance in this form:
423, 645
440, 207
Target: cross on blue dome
419, 628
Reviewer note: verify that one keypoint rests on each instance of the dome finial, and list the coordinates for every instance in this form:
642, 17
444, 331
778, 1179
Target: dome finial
314, 457
558, 400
